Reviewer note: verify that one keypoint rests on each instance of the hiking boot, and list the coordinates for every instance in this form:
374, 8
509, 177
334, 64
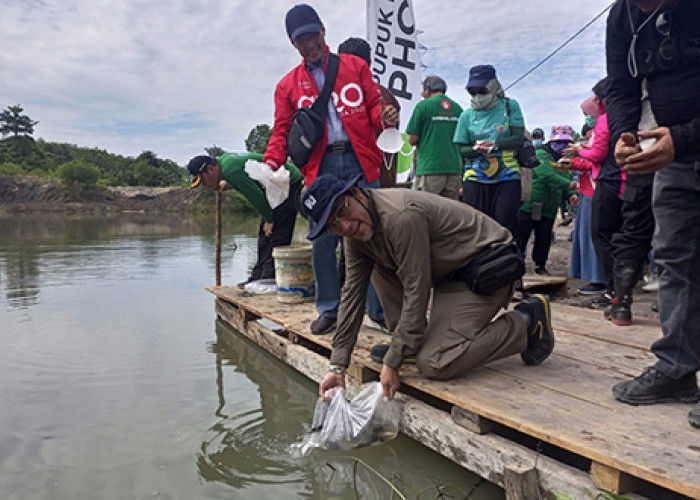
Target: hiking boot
602, 301
620, 312
653, 387
540, 336
379, 351
625, 274
322, 325
694, 416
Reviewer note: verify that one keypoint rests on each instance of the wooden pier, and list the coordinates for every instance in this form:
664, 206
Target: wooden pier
538, 432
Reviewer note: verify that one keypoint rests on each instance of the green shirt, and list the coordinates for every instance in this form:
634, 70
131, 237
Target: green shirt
233, 171
548, 185
434, 121
490, 125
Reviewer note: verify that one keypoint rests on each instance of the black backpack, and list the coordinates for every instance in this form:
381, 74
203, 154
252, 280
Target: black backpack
525, 154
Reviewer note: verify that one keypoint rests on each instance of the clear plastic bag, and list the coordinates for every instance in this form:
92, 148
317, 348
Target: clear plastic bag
339, 424
260, 287
275, 182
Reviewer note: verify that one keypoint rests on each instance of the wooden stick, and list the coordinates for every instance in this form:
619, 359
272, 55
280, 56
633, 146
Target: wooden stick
218, 238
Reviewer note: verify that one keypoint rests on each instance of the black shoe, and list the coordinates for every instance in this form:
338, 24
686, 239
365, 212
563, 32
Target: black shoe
540, 336
653, 387
542, 271
620, 312
694, 416
322, 325
379, 351
602, 301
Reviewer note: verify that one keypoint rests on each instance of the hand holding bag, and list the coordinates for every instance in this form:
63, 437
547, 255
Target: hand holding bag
309, 123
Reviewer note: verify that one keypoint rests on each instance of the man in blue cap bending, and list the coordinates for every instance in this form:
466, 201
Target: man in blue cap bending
413, 242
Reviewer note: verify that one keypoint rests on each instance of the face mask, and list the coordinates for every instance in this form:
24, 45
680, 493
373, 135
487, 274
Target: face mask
537, 142
483, 101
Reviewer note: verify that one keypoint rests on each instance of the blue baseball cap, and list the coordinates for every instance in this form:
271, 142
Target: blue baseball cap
302, 18
480, 75
317, 201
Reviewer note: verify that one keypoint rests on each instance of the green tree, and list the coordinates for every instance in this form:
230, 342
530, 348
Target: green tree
215, 151
80, 174
12, 121
258, 138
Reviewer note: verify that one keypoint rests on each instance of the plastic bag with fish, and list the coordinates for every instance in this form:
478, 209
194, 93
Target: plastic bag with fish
339, 424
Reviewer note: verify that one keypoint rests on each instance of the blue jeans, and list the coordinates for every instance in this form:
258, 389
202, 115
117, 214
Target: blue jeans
676, 244
325, 263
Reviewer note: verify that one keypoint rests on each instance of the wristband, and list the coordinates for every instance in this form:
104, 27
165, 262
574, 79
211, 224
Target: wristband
337, 369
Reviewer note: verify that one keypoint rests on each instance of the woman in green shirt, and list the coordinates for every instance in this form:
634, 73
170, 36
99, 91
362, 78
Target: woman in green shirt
488, 134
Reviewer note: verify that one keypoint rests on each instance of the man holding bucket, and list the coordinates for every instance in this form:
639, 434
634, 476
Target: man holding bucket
412, 243
276, 226
347, 146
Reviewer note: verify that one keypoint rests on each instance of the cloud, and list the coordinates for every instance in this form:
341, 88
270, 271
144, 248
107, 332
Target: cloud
175, 77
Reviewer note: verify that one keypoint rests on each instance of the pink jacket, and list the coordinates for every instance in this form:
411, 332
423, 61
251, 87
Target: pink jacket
598, 150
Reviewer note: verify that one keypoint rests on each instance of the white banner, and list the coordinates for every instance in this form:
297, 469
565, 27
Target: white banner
391, 31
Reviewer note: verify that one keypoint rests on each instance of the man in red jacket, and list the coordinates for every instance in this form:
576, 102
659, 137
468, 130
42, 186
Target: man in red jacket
348, 147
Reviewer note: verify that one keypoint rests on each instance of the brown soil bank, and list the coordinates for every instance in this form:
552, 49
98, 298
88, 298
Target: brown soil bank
35, 194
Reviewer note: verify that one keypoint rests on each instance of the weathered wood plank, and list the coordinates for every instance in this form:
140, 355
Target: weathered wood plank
521, 482
553, 284
472, 421
487, 455
611, 480
566, 401
591, 323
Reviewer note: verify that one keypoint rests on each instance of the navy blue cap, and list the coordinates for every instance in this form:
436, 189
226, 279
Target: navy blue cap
302, 18
480, 75
317, 201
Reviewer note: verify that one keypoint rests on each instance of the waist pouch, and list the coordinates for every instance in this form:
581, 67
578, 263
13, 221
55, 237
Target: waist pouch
492, 269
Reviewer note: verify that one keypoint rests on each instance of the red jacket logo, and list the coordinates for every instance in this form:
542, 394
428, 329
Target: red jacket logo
446, 105
350, 95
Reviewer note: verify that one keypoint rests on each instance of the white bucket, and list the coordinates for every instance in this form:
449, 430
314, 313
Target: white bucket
294, 274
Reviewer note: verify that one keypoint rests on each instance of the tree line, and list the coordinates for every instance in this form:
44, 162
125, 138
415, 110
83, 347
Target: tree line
21, 154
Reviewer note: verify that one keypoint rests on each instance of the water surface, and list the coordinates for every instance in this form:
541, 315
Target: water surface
117, 382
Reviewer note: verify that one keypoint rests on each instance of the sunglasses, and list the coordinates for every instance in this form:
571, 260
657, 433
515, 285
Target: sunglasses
477, 90
340, 210
667, 49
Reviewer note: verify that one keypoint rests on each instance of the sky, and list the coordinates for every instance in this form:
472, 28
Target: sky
176, 76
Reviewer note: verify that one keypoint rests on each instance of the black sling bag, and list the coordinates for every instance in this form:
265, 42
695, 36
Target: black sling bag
308, 123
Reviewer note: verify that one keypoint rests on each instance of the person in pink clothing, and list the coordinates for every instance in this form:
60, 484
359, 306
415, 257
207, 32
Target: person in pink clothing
606, 203
584, 263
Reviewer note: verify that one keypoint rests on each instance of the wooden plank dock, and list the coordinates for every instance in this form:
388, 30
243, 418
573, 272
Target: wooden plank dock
552, 430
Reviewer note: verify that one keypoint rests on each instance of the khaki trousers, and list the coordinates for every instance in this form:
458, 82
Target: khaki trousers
447, 185
461, 334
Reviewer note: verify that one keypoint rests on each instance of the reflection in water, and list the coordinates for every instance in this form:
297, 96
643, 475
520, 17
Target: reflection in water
62, 247
251, 446
21, 278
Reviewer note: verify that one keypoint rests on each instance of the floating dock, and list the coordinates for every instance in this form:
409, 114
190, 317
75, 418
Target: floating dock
550, 431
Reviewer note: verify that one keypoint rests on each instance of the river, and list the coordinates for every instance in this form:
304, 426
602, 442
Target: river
114, 383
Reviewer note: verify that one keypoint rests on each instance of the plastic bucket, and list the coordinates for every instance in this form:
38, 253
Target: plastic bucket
294, 274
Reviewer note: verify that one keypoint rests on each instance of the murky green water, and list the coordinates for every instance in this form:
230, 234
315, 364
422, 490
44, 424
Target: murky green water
115, 382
